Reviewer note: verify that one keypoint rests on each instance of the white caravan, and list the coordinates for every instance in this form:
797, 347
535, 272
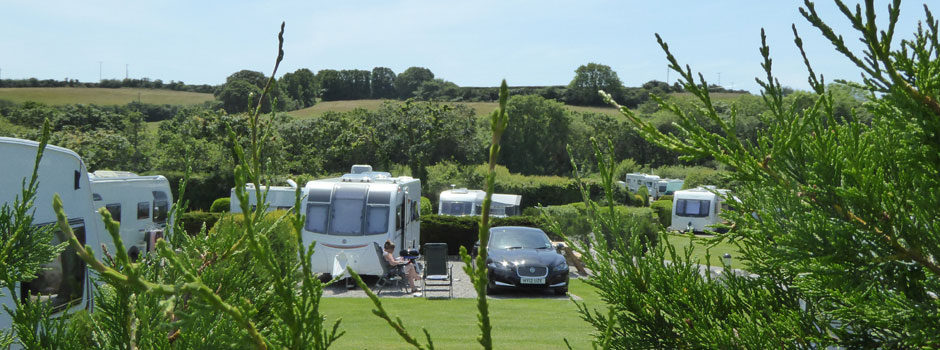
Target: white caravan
350, 218
278, 197
698, 208
461, 202
65, 283
635, 180
667, 187
140, 203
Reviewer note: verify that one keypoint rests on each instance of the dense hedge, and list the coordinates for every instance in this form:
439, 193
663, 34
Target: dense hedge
535, 190
193, 221
221, 205
202, 189
459, 231
663, 209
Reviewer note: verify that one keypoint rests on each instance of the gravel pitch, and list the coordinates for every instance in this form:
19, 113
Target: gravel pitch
462, 288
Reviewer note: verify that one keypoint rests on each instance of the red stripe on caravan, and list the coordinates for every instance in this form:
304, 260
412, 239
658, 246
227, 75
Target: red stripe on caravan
344, 246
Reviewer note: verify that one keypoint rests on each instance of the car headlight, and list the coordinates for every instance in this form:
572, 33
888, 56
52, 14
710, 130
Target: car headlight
500, 265
561, 266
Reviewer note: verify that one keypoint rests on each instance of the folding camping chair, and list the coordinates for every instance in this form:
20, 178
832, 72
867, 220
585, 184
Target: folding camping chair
393, 276
437, 272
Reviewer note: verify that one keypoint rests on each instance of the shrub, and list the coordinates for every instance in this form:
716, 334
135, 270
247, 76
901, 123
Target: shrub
572, 220
221, 205
426, 208
644, 195
456, 231
665, 197
193, 221
663, 209
202, 188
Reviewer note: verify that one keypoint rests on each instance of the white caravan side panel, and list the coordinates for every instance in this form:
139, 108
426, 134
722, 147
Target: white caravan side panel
61, 171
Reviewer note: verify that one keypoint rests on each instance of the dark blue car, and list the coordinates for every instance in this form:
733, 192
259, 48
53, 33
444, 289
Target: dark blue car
523, 257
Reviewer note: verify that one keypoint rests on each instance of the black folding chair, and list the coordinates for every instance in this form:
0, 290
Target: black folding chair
393, 276
437, 272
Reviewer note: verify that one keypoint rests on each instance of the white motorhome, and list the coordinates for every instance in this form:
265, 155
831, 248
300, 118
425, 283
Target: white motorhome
140, 203
667, 187
350, 218
698, 208
65, 283
462, 202
635, 180
278, 197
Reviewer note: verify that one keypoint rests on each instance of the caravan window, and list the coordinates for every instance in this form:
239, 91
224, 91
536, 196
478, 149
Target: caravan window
347, 217
143, 210
115, 210
377, 220
161, 206
316, 218
62, 281
456, 208
693, 207
415, 212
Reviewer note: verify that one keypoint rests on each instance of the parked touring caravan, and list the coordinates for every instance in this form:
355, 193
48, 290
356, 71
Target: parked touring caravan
350, 218
461, 202
667, 187
698, 208
635, 180
140, 203
278, 197
65, 283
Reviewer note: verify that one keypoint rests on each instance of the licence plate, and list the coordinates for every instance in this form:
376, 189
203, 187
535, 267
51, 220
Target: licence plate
532, 280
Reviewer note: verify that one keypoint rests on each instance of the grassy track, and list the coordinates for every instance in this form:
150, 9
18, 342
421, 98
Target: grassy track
102, 96
517, 323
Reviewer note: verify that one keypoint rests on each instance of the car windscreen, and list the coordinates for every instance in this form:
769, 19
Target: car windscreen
523, 239
456, 208
693, 207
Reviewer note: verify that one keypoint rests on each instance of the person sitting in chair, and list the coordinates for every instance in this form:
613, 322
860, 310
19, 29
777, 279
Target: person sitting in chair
410, 273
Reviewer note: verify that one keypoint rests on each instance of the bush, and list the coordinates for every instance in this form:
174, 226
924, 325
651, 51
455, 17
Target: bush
281, 237
426, 208
221, 205
665, 197
572, 220
202, 189
663, 209
644, 195
456, 231
193, 221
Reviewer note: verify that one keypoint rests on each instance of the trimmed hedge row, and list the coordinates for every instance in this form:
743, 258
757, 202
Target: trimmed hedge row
535, 190
193, 221
459, 231
202, 189
663, 209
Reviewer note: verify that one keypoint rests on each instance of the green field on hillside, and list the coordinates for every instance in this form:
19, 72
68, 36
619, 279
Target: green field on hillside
102, 96
483, 108
524, 323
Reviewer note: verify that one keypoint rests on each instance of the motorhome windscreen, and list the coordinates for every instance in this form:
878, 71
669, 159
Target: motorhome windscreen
698, 208
456, 208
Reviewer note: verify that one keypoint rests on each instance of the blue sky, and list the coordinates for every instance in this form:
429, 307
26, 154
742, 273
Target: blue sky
471, 43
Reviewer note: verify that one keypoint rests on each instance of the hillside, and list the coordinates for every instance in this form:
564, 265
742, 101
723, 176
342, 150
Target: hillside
479, 107
102, 96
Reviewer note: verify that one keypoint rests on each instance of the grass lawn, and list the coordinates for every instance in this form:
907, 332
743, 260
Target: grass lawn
517, 323
699, 246
102, 96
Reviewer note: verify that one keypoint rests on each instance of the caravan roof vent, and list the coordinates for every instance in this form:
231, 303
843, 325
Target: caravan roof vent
360, 168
